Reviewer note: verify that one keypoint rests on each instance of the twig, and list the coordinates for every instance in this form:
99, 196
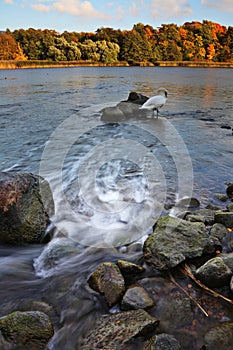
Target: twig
190, 297
187, 271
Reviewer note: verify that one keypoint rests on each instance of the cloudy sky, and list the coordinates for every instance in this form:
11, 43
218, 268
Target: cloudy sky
88, 15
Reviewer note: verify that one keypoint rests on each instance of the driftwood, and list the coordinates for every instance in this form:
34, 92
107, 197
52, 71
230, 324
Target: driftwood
187, 271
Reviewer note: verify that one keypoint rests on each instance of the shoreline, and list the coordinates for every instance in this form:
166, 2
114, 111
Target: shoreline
6, 65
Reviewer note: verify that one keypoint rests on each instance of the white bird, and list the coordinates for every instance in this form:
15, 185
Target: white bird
156, 102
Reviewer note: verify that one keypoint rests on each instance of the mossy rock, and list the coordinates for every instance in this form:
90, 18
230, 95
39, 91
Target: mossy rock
26, 205
28, 330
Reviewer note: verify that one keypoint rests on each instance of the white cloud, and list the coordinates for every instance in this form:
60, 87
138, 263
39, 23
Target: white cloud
170, 8
223, 5
8, 2
78, 8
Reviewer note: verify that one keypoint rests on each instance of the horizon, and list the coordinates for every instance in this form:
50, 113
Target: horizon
145, 24
88, 16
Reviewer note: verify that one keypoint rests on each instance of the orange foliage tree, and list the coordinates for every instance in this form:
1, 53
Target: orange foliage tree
9, 49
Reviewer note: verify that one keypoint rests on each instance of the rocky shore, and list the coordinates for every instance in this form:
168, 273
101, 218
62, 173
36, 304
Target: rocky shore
173, 292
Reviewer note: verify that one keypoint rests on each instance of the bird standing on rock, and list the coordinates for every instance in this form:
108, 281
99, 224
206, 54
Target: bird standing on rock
156, 102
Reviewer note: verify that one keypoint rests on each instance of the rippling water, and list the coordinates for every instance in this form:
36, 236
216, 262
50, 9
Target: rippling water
108, 179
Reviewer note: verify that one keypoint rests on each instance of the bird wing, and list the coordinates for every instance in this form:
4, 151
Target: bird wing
155, 101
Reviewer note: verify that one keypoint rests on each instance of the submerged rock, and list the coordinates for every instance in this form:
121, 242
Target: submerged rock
24, 215
115, 331
108, 280
136, 297
56, 252
214, 273
175, 240
165, 342
219, 337
27, 330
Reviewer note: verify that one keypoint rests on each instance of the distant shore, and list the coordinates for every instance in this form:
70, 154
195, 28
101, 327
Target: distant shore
50, 64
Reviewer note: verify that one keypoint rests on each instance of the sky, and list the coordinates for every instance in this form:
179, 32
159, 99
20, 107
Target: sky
89, 15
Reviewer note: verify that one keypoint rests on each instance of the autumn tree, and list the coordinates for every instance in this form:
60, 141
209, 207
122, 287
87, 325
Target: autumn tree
10, 49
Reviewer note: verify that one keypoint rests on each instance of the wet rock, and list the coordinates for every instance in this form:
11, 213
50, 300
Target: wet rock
218, 232
137, 98
28, 330
228, 260
115, 331
231, 284
165, 342
195, 218
188, 203
174, 240
136, 247
207, 213
229, 190
4, 345
129, 268
124, 109
221, 196
26, 204
136, 297
230, 207
220, 337
225, 218
108, 280
56, 252
214, 273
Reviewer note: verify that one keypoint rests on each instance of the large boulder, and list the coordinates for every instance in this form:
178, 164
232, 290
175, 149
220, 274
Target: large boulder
26, 205
175, 240
27, 330
115, 331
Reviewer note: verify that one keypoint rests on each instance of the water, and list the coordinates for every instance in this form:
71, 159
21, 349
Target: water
108, 180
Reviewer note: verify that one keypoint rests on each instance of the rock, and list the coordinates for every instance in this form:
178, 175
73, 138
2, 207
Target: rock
28, 330
174, 240
225, 218
165, 342
115, 331
137, 98
231, 284
129, 268
195, 218
4, 345
24, 215
53, 255
108, 280
219, 337
135, 247
218, 232
124, 109
221, 196
228, 260
208, 214
136, 297
230, 207
229, 190
214, 273
188, 203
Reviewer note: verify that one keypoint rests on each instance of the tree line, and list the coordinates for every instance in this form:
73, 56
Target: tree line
192, 41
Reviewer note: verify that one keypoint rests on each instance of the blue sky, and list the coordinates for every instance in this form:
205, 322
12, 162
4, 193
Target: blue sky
88, 15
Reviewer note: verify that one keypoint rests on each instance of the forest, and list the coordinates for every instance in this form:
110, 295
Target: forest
192, 41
